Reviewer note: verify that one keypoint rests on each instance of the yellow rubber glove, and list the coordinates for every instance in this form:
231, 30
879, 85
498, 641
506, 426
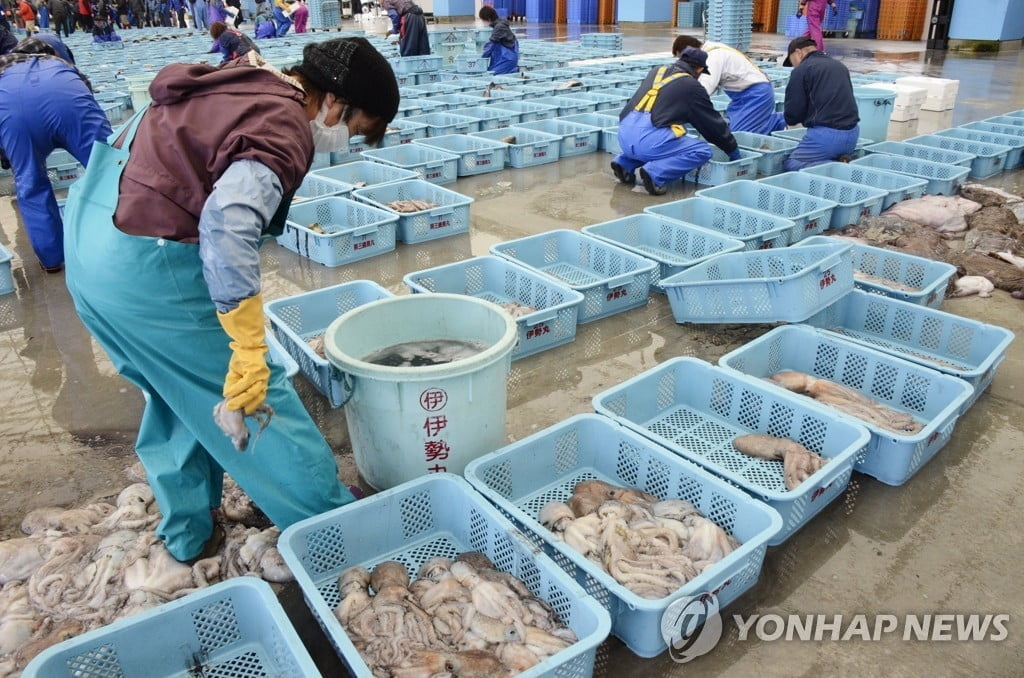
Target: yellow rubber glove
245, 385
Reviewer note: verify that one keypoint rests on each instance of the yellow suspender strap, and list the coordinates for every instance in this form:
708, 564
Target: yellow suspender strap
646, 104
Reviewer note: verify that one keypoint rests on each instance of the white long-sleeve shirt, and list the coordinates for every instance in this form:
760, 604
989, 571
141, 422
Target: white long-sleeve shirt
729, 69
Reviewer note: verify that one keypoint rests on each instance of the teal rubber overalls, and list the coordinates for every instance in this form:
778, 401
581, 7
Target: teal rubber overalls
146, 302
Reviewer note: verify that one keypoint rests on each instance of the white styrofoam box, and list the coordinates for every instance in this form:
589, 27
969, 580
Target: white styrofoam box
906, 95
941, 92
905, 113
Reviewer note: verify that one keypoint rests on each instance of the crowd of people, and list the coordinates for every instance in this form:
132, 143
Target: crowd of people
64, 17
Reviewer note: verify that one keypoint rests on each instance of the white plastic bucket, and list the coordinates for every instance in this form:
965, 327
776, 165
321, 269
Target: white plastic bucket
405, 422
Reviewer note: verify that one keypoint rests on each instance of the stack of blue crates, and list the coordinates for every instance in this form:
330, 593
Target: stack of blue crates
690, 14
869, 19
728, 22
324, 14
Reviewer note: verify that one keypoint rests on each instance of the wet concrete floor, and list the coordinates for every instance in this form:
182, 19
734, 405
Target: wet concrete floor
948, 541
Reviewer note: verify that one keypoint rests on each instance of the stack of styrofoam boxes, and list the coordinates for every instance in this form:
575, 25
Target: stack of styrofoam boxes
908, 100
941, 92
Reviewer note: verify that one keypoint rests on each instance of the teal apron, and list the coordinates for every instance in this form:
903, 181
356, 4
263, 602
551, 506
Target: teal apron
146, 302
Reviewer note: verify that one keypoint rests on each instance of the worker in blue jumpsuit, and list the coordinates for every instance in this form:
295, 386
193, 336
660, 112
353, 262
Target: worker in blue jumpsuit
751, 95
819, 96
652, 130
502, 48
163, 237
45, 103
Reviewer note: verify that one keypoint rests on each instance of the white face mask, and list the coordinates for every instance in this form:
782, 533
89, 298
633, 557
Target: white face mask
328, 139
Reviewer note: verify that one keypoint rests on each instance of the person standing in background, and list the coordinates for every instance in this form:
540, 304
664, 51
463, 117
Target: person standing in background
815, 12
215, 12
300, 15
85, 15
58, 14
198, 9
391, 7
43, 16
7, 39
413, 39
502, 49
28, 15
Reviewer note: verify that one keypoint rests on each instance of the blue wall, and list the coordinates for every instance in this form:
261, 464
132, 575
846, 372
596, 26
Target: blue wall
987, 20
454, 7
645, 10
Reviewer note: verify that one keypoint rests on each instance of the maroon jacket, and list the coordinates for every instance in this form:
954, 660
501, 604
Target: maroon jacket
203, 119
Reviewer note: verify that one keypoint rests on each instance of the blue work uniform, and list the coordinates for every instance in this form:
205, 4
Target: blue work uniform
751, 95
651, 126
502, 49
45, 104
820, 96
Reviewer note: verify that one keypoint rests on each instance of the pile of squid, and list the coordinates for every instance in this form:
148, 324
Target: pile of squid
649, 546
461, 617
81, 568
848, 401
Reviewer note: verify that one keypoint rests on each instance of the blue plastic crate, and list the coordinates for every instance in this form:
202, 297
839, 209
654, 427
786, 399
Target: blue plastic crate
610, 278
429, 163
933, 399
764, 286
489, 117
443, 123
6, 278
720, 170
1015, 142
439, 515
773, 150
986, 159
297, 319
402, 131
1015, 120
521, 478
416, 64
898, 186
471, 63
365, 173
921, 281
530, 147
457, 100
552, 323
811, 215
316, 186
602, 100
948, 343
428, 78
942, 178
610, 140
62, 175
352, 230
450, 217
674, 245
1010, 130
567, 104
931, 154
114, 110
757, 230
696, 410
577, 139
237, 628
599, 120
530, 111
476, 155
853, 201
278, 355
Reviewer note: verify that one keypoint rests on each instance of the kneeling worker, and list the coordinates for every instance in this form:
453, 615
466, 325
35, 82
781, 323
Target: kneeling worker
751, 95
820, 96
651, 126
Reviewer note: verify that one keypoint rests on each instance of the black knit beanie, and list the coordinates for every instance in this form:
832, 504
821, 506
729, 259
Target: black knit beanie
351, 68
